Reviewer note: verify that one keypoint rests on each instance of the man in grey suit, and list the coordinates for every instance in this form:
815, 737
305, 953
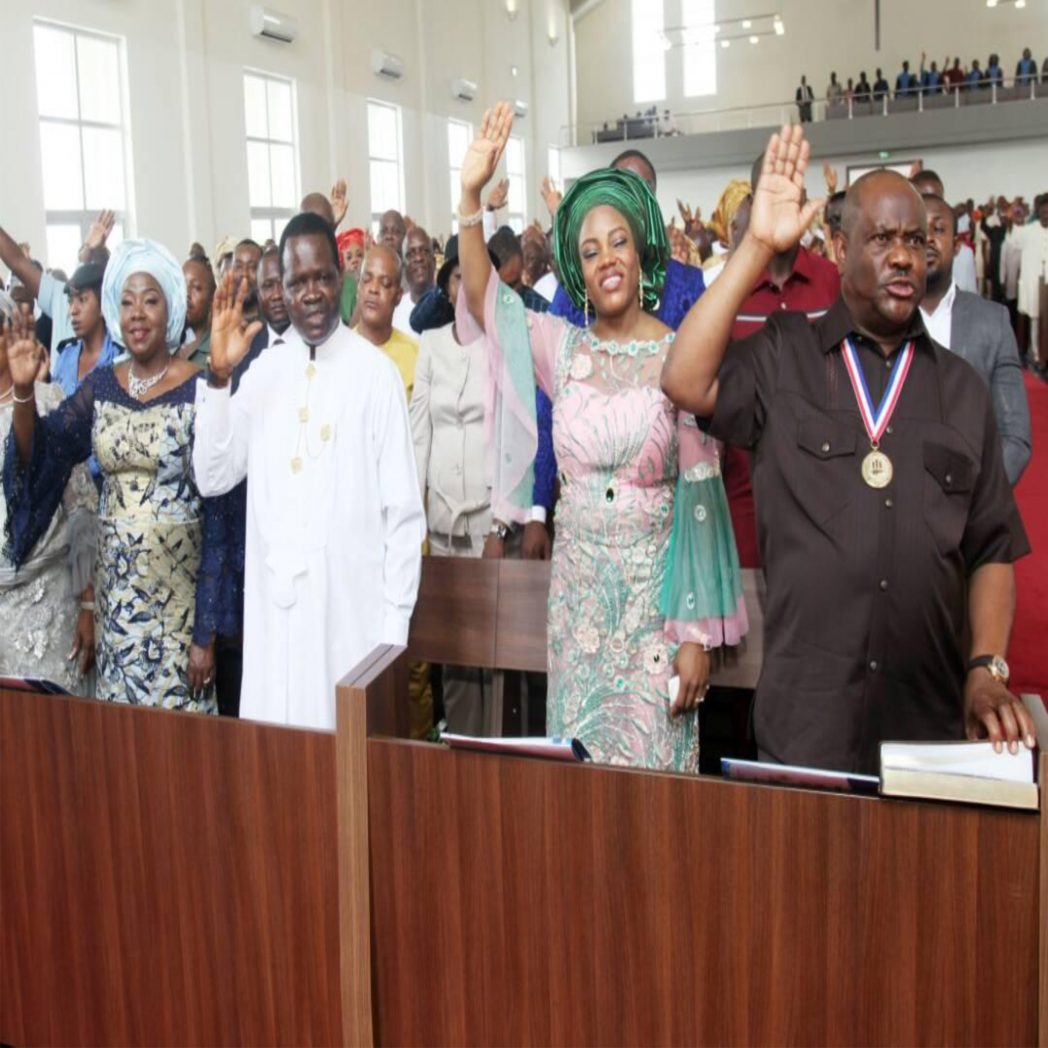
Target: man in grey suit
979, 331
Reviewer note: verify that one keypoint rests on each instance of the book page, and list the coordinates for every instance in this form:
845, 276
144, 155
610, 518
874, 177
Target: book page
959, 758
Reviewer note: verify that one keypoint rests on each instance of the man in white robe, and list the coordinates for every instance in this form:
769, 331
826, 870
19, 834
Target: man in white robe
319, 426
1032, 241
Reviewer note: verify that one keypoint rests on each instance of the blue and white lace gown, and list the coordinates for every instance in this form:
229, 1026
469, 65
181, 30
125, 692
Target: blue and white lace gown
161, 545
40, 601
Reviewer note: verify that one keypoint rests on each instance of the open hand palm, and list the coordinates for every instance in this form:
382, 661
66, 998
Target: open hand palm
487, 147
23, 350
779, 216
230, 337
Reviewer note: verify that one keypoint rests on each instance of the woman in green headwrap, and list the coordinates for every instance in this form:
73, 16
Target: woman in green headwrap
645, 577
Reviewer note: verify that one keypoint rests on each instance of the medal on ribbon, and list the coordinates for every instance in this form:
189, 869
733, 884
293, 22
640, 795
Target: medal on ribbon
876, 466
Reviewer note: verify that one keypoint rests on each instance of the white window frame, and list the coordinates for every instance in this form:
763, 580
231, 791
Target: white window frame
700, 48
648, 21
553, 164
518, 219
376, 214
455, 166
274, 217
82, 218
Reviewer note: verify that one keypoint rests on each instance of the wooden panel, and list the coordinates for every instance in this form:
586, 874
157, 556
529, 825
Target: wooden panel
166, 878
364, 699
1043, 1025
520, 628
454, 619
586, 905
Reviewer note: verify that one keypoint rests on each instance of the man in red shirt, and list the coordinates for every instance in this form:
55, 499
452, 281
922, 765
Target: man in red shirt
796, 280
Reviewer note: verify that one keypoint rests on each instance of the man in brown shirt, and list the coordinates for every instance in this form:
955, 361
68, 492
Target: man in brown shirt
877, 528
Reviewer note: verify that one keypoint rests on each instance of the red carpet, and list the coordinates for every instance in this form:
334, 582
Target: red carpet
1028, 656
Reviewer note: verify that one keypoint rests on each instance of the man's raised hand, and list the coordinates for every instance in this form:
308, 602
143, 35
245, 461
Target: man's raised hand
778, 217
230, 337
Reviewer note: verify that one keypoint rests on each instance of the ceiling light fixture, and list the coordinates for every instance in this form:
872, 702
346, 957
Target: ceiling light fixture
746, 23
755, 39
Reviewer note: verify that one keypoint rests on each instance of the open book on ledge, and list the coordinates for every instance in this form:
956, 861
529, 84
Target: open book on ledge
525, 746
959, 771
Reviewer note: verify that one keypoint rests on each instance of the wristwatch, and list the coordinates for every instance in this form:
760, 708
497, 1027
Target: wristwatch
500, 531
995, 664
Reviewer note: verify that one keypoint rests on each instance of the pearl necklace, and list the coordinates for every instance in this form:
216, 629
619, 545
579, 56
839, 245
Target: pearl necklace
138, 387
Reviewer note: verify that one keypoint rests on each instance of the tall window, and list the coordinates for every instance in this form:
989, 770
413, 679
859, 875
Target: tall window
517, 185
649, 51
82, 103
272, 153
385, 160
700, 47
460, 135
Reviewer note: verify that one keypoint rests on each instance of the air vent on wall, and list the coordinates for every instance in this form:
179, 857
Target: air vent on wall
273, 25
387, 65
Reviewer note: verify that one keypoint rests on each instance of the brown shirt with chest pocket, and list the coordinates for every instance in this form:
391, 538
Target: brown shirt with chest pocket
866, 587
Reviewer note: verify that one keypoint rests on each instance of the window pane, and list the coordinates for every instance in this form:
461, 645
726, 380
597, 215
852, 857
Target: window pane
98, 62
258, 175
280, 122
382, 132
60, 156
63, 245
456, 189
282, 173
515, 201
261, 230
255, 121
514, 157
700, 50
649, 52
116, 238
55, 72
385, 186
278, 227
516, 223
103, 168
459, 138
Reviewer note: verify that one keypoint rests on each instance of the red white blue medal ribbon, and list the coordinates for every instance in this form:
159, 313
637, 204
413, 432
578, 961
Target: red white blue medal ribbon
876, 422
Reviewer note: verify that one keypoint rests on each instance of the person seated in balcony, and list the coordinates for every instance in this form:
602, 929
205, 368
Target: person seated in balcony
834, 92
1025, 69
931, 78
880, 87
994, 72
905, 83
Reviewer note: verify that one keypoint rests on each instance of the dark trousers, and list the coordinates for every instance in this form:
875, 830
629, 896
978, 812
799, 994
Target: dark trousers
229, 667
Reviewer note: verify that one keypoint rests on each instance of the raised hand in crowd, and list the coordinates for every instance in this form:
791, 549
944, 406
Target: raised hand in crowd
486, 149
230, 336
551, 195
691, 219
339, 201
97, 233
829, 172
25, 355
499, 195
680, 246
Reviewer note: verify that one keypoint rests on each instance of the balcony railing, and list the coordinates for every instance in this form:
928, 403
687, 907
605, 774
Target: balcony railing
774, 114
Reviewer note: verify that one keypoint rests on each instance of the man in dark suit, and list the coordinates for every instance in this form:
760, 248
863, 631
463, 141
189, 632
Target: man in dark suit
980, 332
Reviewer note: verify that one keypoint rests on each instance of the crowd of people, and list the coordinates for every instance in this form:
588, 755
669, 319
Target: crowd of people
930, 79
220, 476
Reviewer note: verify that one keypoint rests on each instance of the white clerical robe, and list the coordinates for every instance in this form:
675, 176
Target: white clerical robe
334, 517
1032, 241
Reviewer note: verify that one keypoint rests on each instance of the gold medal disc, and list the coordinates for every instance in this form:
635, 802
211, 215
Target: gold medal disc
877, 469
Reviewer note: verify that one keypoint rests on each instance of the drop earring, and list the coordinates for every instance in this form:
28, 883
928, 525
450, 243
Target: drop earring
640, 292
585, 309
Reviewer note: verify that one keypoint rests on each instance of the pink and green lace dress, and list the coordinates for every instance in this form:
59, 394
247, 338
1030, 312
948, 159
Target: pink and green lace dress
644, 557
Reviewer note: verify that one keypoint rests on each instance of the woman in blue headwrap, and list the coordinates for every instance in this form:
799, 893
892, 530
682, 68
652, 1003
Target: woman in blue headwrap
645, 577
155, 602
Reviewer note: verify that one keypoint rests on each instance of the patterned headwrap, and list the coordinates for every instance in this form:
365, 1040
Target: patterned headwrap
736, 191
350, 236
145, 256
630, 196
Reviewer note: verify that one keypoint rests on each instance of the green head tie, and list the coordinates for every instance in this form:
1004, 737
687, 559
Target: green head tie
630, 196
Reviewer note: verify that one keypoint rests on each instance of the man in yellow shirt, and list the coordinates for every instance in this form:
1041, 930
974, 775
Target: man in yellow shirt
379, 291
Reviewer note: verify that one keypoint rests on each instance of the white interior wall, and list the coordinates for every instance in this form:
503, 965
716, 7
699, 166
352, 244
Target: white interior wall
976, 172
185, 62
821, 35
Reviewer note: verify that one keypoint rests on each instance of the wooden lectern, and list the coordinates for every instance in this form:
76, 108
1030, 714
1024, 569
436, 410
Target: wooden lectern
174, 879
